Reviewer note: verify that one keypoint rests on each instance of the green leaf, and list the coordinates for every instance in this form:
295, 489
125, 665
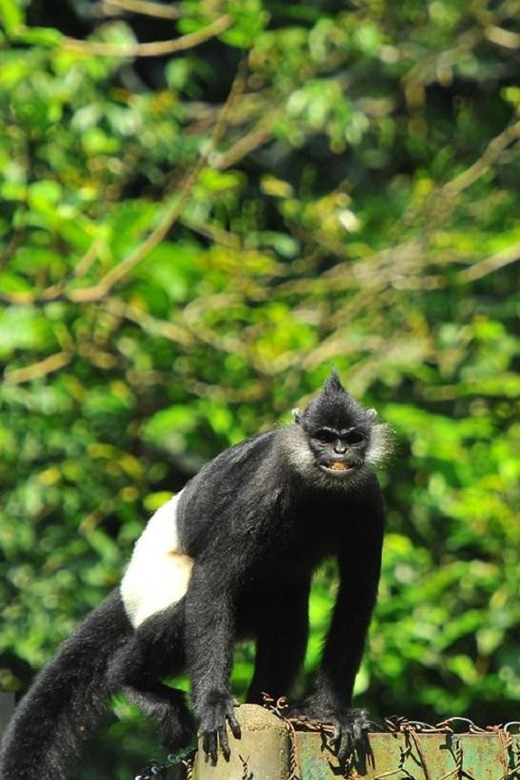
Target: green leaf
23, 327
40, 36
44, 195
11, 16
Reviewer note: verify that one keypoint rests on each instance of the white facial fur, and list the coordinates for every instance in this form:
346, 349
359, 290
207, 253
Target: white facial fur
301, 458
159, 572
380, 446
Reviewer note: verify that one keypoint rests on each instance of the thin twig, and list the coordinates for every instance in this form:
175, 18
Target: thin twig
243, 146
493, 150
89, 258
504, 38
37, 370
490, 264
157, 10
154, 48
149, 324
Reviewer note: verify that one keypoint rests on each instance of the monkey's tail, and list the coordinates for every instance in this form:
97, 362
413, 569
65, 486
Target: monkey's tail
65, 700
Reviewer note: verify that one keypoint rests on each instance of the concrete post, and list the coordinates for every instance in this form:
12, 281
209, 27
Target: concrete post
263, 751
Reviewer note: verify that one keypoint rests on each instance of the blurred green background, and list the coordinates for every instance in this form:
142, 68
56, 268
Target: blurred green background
205, 205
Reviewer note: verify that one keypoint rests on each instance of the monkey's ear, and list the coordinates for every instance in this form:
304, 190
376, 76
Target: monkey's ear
297, 415
372, 414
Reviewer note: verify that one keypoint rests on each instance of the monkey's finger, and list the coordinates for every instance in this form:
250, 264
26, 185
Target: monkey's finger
359, 734
224, 744
367, 748
234, 725
209, 745
205, 744
346, 747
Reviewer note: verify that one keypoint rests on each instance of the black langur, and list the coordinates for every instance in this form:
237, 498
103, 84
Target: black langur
230, 556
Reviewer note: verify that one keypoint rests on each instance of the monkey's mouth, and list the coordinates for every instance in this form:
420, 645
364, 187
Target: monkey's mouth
337, 467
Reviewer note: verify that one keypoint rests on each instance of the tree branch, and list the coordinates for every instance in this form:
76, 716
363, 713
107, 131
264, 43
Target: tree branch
243, 146
490, 264
495, 147
37, 370
144, 7
153, 49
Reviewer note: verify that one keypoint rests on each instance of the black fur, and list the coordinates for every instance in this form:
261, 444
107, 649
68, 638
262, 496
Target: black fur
257, 520
65, 699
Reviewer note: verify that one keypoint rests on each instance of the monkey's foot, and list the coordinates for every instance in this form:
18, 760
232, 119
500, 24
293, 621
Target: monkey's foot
350, 727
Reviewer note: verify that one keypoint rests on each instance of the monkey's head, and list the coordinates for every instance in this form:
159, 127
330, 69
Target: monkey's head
342, 435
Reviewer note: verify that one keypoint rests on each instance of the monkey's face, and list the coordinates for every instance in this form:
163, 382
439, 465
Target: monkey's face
341, 436
338, 451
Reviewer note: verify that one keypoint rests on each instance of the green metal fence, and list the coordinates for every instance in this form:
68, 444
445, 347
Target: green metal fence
275, 748
272, 748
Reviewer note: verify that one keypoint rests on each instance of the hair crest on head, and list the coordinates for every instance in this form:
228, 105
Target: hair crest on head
333, 383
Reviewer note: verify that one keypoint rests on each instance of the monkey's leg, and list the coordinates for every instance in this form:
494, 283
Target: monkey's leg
156, 650
282, 631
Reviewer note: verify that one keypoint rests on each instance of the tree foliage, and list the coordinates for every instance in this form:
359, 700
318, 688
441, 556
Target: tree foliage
207, 204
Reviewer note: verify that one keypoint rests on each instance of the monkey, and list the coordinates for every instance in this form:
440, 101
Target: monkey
230, 556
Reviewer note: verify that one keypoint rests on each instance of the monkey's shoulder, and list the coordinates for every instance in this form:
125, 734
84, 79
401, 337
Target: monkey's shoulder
238, 465
240, 486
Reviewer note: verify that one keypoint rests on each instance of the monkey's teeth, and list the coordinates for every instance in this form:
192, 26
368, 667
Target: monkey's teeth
338, 466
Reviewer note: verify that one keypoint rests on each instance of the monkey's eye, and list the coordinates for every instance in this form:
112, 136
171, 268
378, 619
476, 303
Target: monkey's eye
354, 437
324, 436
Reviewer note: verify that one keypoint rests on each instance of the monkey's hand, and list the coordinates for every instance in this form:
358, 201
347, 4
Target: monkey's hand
351, 726
214, 711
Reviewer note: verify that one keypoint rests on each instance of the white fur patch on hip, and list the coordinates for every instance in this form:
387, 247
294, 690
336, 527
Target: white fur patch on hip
159, 571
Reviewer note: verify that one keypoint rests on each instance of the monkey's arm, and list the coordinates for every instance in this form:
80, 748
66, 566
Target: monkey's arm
210, 635
360, 564
282, 628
